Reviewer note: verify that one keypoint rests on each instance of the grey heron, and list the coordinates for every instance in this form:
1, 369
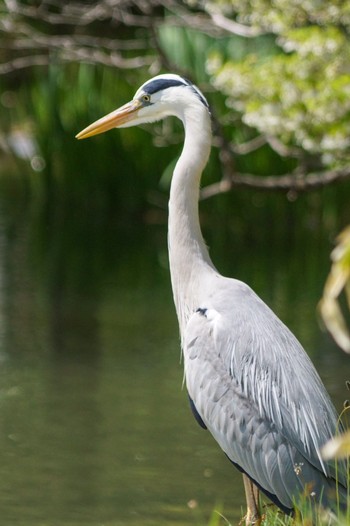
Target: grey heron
249, 380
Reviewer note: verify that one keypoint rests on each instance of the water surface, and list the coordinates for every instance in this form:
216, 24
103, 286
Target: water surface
94, 423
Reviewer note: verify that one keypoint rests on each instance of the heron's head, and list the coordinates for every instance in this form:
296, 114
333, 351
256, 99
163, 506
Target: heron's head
156, 99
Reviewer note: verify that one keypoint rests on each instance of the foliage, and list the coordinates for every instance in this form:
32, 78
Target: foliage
337, 281
299, 93
282, 66
282, 14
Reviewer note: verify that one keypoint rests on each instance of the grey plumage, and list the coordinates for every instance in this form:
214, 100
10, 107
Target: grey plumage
260, 396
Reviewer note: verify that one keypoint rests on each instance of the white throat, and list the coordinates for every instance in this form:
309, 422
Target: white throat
188, 254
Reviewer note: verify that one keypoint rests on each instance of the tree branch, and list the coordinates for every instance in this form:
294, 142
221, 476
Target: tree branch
249, 146
22, 63
234, 27
28, 44
292, 184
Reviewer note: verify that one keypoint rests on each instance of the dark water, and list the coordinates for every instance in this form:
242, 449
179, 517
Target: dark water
94, 423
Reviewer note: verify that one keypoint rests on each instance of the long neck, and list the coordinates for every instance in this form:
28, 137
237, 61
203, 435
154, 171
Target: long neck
188, 254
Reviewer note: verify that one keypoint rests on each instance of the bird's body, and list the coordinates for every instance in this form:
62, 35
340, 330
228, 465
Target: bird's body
269, 415
249, 380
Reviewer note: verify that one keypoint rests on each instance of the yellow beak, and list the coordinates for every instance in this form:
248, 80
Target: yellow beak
114, 119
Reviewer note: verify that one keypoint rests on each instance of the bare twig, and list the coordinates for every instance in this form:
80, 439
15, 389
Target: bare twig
282, 149
111, 59
22, 63
249, 146
292, 184
234, 27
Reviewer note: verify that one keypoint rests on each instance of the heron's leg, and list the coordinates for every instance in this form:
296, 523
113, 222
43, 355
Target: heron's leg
252, 497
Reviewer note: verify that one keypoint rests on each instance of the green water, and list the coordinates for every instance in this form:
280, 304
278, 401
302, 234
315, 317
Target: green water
95, 427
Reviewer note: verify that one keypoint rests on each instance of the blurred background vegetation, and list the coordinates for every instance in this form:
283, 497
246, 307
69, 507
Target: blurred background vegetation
276, 75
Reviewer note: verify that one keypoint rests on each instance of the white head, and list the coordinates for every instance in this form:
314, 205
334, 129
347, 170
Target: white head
156, 99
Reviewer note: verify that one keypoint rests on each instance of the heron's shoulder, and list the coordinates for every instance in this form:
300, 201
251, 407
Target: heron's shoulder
233, 299
230, 315
244, 328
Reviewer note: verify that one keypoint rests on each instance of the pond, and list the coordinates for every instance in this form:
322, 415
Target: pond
95, 427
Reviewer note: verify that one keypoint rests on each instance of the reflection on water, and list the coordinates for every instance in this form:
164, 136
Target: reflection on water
94, 424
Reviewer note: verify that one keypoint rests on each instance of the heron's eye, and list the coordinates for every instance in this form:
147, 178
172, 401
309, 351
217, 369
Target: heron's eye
146, 98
